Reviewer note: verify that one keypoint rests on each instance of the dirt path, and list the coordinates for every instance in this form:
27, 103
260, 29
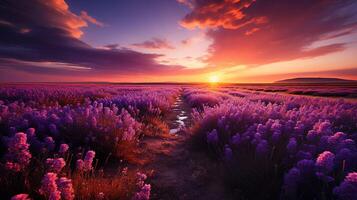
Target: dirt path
177, 171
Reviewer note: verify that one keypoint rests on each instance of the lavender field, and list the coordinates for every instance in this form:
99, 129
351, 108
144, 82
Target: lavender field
178, 100
176, 141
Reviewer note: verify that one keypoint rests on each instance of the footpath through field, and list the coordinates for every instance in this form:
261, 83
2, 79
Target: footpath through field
177, 171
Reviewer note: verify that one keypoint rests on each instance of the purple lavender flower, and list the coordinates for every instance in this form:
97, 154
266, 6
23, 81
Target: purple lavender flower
88, 161
310, 148
276, 137
257, 136
325, 162
291, 147
18, 155
63, 149
299, 127
324, 127
345, 159
262, 148
66, 188
261, 128
68, 119
306, 167
336, 138
53, 129
141, 179
49, 187
312, 136
323, 143
25, 123
12, 130
347, 143
276, 126
13, 166
93, 121
347, 190
50, 143
54, 118
107, 111
144, 193
21, 197
55, 165
30, 132
212, 137
128, 124
228, 154
324, 177
235, 139
300, 155
100, 196
80, 165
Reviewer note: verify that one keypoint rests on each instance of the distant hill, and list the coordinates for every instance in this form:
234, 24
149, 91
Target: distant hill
315, 80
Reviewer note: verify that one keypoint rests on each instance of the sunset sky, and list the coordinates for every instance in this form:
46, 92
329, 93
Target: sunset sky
177, 40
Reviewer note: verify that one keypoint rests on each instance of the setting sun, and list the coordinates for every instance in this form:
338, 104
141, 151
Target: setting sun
214, 79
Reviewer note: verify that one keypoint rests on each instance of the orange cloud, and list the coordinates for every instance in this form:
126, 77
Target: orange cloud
216, 14
57, 12
249, 32
86, 17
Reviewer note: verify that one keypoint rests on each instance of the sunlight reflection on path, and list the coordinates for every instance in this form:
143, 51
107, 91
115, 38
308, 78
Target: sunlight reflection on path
180, 117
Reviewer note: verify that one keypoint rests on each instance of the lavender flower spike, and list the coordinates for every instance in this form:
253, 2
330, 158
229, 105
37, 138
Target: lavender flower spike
49, 187
348, 188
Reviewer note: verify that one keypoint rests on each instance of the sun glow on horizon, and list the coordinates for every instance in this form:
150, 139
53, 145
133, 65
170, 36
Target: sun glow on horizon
213, 79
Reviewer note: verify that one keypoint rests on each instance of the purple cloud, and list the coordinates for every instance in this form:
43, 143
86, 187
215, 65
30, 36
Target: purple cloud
43, 37
155, 43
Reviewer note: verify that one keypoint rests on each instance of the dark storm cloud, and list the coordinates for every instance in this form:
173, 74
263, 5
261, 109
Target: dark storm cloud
255, 32
35, 34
